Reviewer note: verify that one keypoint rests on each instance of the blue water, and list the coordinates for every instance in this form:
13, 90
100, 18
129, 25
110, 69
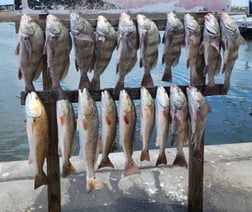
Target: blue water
229, 122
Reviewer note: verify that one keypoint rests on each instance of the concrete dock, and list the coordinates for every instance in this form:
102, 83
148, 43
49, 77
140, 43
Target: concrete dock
227, 184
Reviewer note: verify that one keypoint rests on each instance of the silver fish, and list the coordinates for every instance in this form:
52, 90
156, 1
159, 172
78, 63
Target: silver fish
162, 123
37, 133
57, 47
179, 123
127, 44
108, 127
127, 127
198, 110
231, 40
66, 134
173, 40
30, 51
88, 126
210, 48
149, 40
195, 61
84, 46
147, 119
105, 43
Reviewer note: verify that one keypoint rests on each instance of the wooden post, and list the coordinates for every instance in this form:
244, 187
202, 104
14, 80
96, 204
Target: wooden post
53, 170
195, 179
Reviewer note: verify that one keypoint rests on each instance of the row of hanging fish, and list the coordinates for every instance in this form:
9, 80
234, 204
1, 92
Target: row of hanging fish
93, 50
168, 114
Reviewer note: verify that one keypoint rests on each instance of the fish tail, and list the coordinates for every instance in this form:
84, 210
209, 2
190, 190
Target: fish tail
84, 82
95, 82
93, 183
147, 80
145, 155
161, 159
180, 161
106, 163
58, 93
119, 86
68, 169
167, 76
131, 168
40, 179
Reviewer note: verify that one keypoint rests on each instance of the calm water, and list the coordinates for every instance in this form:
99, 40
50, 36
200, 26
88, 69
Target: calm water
229, 122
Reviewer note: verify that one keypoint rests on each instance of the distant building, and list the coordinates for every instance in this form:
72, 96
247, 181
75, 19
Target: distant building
6, 4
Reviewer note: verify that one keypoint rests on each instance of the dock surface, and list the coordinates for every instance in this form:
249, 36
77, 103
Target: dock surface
227, 184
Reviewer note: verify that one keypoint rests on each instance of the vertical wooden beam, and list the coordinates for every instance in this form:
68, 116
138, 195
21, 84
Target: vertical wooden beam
53, 170
195, 179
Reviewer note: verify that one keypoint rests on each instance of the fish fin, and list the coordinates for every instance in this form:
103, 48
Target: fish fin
38, 71
130, 43
93, 183
241, 40
167, 76
106, 162
145, 155
17, 49
83, 37
68, 169
161, 159
125, 119
20, 75
76, 65
163, 38
40, 179
187, 63
65, 72
216, 45
108, 120
85, 124
218, 66
131, 168
163, 59
170, 38
28, 48
201, 48
175, 62
180, 161
141, 63
30, 161
62, 120
147, 80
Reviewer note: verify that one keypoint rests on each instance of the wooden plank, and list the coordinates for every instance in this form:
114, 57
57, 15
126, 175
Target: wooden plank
158, 18
195, 180
133, 92
53, 170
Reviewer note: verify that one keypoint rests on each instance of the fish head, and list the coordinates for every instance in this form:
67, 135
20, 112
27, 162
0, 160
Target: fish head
103, 25
177, 97
211, 25
228, 23
26, 26
126, 24
173, 21
33, 105
146, 97
106, 101
125, 101
53, 25
143, 22
62, 107
162, 97
190, 23
76, 23
85, 103
197, 101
